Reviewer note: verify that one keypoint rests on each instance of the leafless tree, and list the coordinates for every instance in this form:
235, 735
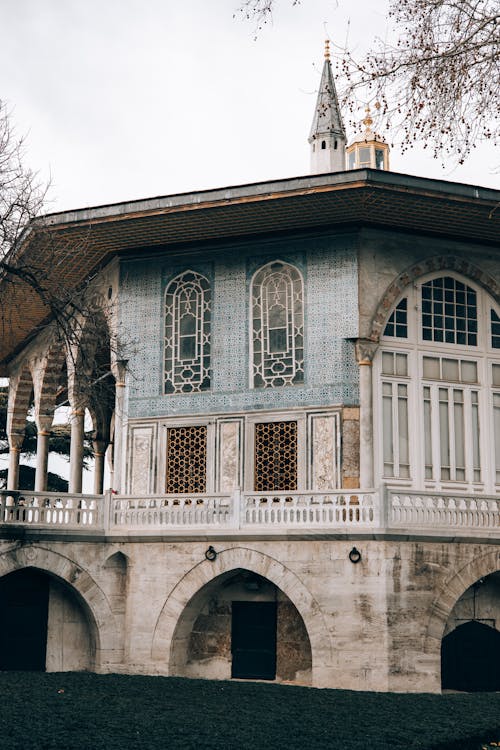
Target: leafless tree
438, 83
30, 256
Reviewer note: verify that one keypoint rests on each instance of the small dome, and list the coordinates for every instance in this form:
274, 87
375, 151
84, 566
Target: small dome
368, 149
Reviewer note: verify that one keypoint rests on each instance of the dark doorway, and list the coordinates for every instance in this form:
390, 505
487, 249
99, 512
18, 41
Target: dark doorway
253, 640
470, 658
24, 599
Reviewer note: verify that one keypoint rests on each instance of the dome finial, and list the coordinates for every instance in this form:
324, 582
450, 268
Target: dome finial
368, 121
327, 49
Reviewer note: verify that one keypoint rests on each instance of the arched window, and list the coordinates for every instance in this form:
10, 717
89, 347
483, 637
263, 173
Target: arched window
187, 334
277, 326
439, 387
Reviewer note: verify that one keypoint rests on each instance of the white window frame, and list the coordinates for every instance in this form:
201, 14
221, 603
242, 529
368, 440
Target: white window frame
417, 348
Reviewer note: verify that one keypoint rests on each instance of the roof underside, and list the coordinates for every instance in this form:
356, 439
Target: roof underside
69, 247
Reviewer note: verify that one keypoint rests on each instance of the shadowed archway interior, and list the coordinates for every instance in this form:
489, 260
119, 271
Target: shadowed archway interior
43, 626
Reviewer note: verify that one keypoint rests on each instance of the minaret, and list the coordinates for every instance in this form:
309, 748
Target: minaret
327, 136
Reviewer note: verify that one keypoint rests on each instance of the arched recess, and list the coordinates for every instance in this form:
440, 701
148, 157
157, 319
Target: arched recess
429, 265
115, 569
93, 601
176, 619
446, 599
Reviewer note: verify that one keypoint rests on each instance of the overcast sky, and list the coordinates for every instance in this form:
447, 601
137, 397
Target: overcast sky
129, 99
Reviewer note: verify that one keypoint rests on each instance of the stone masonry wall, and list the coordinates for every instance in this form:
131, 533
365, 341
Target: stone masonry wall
376, 625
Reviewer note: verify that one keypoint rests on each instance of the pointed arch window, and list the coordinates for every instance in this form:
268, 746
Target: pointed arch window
277, 326
187, 334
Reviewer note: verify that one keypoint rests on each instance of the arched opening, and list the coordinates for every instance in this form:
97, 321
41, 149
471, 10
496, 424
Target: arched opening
241, 625
43, 625
470, 649
437, 376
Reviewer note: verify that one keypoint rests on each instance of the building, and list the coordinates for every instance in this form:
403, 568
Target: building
302, 418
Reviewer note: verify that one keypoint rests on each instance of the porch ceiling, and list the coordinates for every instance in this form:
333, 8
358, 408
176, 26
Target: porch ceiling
65, 249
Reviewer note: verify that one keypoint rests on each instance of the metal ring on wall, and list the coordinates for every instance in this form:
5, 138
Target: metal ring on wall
355, 555
211, 554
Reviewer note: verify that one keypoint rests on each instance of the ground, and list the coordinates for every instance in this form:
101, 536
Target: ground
70, 711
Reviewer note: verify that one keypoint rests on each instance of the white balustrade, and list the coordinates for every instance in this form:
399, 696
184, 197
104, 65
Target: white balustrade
170, 511
348, 509
51, 509
431, 510
265, 512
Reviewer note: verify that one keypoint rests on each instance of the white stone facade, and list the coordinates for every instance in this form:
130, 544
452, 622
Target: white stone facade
284, 481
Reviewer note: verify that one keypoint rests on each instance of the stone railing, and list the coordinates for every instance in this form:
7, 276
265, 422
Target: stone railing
437, 510
51, 509
311, 509
390, 510
171, 511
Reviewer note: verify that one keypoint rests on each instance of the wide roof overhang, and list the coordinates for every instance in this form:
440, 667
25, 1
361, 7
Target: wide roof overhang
70, 246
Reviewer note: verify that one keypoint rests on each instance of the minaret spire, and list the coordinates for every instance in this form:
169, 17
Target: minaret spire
327, 137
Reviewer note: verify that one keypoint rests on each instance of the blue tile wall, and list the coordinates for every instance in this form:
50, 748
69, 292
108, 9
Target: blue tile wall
329, 268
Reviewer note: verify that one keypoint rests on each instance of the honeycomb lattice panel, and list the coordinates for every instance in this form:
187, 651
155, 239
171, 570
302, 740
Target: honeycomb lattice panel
186, 460
275, 456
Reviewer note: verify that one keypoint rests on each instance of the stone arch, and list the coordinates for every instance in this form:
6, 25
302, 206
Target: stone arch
233, 559
20, 390
429, 265
49, 382
96, 606
448, 595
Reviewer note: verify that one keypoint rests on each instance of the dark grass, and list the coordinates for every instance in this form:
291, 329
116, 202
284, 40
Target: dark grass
115, 712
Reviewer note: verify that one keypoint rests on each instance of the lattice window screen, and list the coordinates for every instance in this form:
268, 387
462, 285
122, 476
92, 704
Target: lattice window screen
277, 326
187, 334
186, 460
275, 456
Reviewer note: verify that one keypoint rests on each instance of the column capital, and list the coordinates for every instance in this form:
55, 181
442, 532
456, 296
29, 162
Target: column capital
365, 351
16, 441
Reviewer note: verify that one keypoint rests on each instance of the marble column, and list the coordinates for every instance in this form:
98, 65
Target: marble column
99, 447
15, 443
365, 351
119, 421
43, 424
76, 450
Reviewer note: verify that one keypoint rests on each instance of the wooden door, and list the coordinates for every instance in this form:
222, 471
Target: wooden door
253, 640
24, 599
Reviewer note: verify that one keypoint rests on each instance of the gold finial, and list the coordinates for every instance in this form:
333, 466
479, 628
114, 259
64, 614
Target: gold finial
327, 49
368, 122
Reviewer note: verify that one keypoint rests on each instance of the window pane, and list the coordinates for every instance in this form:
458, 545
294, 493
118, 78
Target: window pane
428, 433
496, 374
450, 369
364, 157
379, 158
496, 422
401, 364
431, 368
404, 455
387, 430
458, 425
388, 363
457, 325
444, 434
495, 330
468, 371
476, 458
